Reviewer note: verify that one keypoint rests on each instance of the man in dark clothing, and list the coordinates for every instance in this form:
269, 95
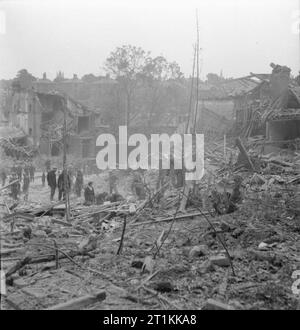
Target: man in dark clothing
19, 170
15, 187
51, 179
26, 182
31, 172
137, 186
71, 175
112, 178
27, 169
62, 187
79, 183
89, 194
43, 179
3, 177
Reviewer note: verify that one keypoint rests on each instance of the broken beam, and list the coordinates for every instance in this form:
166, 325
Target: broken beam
184, 216
244, 153
77, 303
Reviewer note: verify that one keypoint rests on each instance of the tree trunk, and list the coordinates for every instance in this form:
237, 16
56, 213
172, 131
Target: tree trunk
128, 110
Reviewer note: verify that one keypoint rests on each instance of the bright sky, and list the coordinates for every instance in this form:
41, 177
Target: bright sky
76, 36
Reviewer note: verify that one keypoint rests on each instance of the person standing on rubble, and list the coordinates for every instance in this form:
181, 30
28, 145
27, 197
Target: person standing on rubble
43, 179
3, 177
51, 179
27, 168
79, 183
112, 179
71, 175
15, 187
63, 186
137, 185
31, 172
89, 194
26, 182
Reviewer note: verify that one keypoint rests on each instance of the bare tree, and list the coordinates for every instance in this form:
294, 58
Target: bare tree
126, 64
158, 76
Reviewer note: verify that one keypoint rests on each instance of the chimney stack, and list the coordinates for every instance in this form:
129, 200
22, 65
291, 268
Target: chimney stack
279, 82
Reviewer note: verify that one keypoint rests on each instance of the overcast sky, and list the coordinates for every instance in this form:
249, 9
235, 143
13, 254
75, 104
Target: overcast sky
76, 36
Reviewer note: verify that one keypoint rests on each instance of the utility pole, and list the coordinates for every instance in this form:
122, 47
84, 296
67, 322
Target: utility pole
197, 74
191, 125
66, 185
188, 125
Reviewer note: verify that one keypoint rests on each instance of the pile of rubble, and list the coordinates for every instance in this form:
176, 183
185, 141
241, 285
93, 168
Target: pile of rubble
234, 246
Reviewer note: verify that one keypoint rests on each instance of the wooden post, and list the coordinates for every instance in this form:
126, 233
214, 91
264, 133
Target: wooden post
225, 147
188, 186
244, 153
122, 237
66, 188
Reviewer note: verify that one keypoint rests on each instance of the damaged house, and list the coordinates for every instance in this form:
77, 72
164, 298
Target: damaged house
271, 108
215, 112
40, 117
258, 104
93, 92
283, 116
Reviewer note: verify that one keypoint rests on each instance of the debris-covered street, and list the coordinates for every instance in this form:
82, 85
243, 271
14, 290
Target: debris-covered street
145, 163
164, 262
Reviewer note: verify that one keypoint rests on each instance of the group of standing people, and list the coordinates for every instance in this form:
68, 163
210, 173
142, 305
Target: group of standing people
64, 183
21, 175
19, 178
20, 170
27, 169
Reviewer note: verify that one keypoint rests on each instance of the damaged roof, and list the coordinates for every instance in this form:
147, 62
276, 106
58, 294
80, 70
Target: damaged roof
51, 102
296, 92
285, 114
240, 86
229, 89
261, 76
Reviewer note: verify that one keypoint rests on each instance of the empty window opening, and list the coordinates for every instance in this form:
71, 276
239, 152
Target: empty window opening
83, 123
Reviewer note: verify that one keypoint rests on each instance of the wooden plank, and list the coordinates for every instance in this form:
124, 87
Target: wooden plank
9, 251
22, 215
244, 153
60, 222
184, 216
186, 191
20, 301
20, 264
77, 303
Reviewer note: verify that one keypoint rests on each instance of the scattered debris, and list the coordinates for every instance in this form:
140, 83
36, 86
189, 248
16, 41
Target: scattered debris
198, 251
81, 302
51, 263
212, 304
220, 260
